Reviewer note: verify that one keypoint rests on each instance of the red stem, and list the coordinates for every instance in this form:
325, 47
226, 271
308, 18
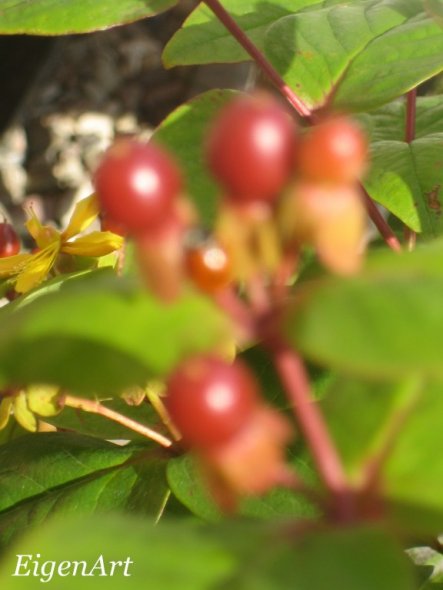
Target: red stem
226, 19
411, 113
297, 386
411, 116
381, 224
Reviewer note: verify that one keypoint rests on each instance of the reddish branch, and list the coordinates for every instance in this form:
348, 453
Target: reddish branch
380, 223
411, 116
295, 380
226, 19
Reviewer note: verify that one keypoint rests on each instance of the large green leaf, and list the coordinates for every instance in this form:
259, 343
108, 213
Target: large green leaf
102, 335
183, 133
62, 17
407, 178
186, 484
188, 556
356, 55
388, 122
386, 322
172, 556
360, 558
203, 39
44, 474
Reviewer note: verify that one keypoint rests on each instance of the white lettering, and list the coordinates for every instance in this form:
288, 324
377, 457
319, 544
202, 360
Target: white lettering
20, 565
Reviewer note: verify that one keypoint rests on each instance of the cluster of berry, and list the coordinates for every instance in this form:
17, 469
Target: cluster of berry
283, 188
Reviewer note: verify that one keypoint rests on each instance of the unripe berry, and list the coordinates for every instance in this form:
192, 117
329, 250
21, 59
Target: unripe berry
251, 147
333, 151
9, 241
330, 218
136, 184
208, 264
210, 400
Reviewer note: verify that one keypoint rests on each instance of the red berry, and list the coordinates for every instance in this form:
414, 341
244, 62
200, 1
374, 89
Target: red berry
208, 265
9, 241
136, 184
251, 148
333, 151
210, 400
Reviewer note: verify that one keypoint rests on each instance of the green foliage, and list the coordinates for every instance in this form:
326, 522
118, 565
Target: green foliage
54, 473
187, 485
204, 40
372, 343
118, 334
351, 55
358, 324
406, 179
58, 17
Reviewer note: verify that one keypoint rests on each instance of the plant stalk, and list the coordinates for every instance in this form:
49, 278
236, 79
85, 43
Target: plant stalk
295, 380
380, 223
95, 407
226, 19
411, 118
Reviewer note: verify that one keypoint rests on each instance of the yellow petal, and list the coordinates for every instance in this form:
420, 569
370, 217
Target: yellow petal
97, 243
37, 268
44, 235
83, 215
33, 224
23, 414
13, 265
5, 410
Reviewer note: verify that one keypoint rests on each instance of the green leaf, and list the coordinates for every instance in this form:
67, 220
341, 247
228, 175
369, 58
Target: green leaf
406, 179
388, 122
362, 416
394, 181
203, 39
413, 474
183, 133
44, 474
396, 427
365, 558
430, 566
356, 55
63, 17
385, 323
186, 484
102, 335
172, 556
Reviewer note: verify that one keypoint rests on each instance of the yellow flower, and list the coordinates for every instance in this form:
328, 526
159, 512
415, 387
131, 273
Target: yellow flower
28, 270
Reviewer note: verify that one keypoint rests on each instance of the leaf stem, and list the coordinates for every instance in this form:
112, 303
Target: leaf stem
411, 117
95, 407
380, 223
226, 19
411, 114
294, 377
